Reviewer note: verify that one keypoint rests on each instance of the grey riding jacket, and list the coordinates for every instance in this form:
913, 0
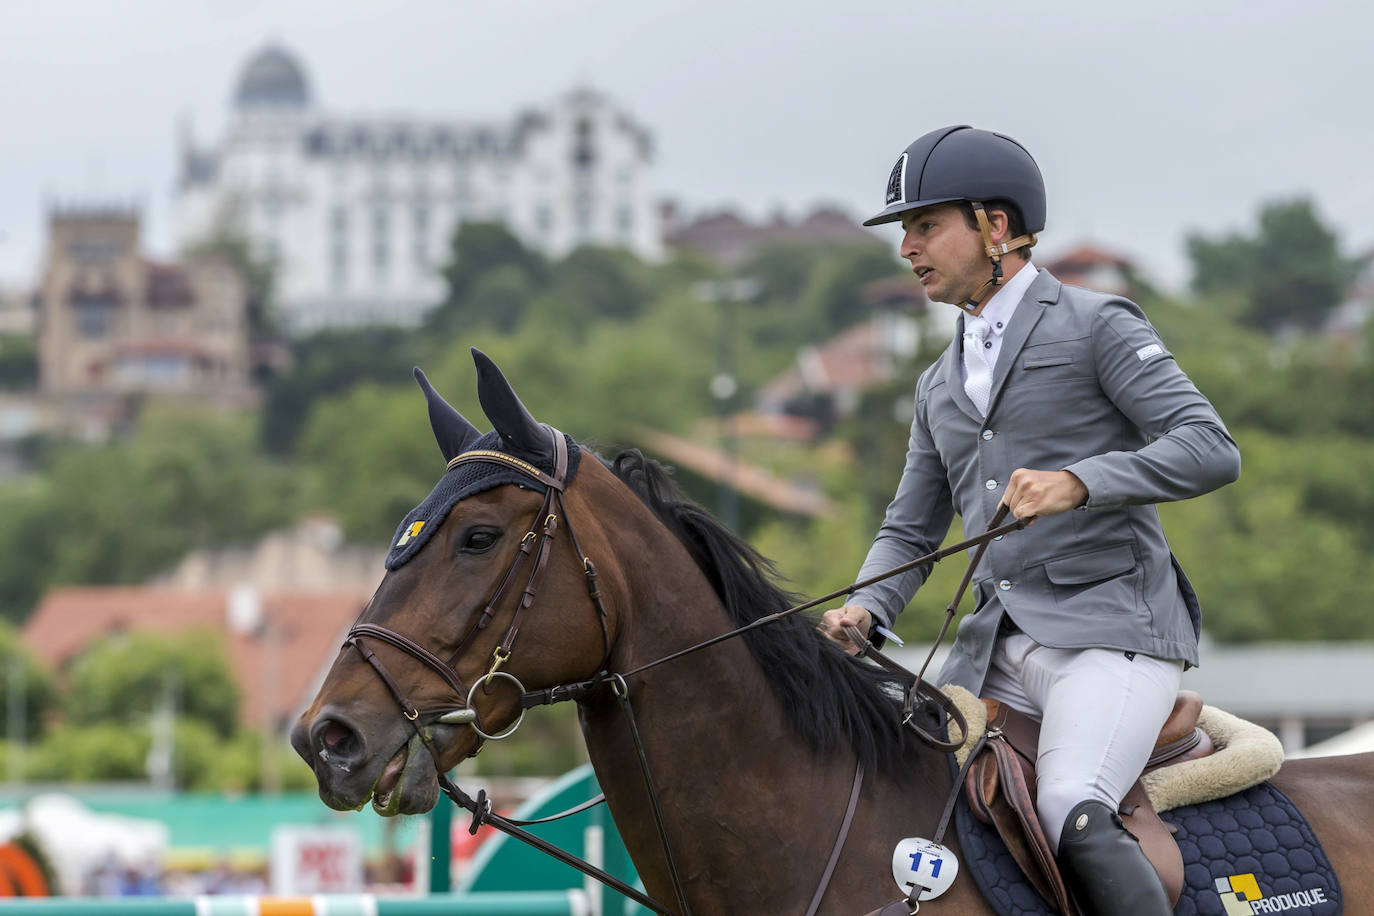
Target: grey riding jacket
1083, 383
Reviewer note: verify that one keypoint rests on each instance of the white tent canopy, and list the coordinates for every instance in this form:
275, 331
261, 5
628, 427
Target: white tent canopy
77, 840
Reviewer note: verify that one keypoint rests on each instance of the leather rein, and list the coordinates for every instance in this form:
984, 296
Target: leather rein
534, 549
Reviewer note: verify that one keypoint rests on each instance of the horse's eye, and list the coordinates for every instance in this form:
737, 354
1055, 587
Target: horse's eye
480, 540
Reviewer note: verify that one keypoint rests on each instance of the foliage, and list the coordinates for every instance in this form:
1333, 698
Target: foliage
123, 511
127, 678
480, 251
329, 364
599, 284
370, 458
1290, 272
18, 362
96, 752
202, 760
23, 671
549, 741
807, 293
1275, 560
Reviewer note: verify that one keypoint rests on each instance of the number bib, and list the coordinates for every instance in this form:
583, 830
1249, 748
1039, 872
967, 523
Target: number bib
921, 863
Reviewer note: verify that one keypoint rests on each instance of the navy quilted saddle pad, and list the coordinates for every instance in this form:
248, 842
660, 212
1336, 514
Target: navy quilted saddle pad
1252, 852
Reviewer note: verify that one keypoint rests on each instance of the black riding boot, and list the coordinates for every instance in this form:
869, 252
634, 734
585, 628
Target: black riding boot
1105, 868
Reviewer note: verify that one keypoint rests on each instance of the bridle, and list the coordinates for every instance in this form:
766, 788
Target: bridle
535, 548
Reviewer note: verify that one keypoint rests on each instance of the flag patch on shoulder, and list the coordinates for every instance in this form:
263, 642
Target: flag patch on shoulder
1145, 353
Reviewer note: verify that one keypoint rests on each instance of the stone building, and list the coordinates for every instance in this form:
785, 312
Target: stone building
112, 322
357, 212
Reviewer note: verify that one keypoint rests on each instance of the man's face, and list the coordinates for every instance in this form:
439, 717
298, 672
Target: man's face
945, 254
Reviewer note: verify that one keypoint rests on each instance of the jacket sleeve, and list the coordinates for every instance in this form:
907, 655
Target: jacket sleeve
916, 522
1190, 452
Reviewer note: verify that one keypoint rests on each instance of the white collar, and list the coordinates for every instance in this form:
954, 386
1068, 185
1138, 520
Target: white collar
997, 313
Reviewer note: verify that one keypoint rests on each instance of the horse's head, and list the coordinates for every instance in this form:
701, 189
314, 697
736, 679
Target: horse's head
485, 594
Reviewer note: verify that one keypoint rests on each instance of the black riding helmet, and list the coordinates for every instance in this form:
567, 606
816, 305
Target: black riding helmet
964, 163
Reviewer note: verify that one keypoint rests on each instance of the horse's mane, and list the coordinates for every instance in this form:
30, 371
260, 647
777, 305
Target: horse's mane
830, 698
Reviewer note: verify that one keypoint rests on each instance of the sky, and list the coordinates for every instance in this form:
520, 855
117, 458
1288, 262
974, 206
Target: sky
1149, 121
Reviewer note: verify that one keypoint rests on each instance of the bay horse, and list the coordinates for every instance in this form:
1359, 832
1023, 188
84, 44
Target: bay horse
752, 744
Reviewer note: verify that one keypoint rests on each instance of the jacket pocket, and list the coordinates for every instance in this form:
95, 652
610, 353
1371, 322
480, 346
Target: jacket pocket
1044, 362
1094, 566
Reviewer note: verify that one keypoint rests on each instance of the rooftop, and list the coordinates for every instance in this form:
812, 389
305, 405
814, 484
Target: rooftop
282, 649
273, 79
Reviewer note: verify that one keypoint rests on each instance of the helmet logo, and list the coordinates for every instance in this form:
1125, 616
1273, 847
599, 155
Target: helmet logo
896, 182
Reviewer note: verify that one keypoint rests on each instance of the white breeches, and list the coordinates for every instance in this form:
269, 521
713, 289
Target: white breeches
1100, 713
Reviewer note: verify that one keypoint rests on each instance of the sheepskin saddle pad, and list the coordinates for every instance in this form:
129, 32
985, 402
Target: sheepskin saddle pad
1245, 846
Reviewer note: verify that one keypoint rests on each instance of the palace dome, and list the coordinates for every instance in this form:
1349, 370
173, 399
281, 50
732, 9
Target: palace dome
272, 79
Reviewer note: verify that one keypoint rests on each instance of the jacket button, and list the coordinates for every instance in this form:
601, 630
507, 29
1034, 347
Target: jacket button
987, 434
991, 485
1005, 585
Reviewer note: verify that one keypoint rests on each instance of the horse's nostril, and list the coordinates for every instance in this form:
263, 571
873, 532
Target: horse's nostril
339, 740
336, 734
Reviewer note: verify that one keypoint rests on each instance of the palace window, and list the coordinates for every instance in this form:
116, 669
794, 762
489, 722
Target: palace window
584, 153
95, 315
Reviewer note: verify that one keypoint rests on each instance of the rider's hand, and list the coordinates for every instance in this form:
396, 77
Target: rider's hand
1041, 493
834, 620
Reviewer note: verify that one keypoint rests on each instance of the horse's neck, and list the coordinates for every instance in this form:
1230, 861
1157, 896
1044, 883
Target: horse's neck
719, 748
751, 809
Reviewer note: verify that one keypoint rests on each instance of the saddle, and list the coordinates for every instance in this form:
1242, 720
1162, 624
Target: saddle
1000, 786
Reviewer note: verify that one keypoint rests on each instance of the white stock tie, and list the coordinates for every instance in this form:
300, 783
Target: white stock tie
977, 372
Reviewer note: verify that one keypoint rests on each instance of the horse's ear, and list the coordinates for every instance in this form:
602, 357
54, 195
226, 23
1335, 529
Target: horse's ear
451, 430
517, 426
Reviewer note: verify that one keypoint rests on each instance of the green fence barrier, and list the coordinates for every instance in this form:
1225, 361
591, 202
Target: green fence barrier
503, 863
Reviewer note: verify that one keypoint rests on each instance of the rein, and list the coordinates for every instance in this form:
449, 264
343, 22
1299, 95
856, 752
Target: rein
536, 546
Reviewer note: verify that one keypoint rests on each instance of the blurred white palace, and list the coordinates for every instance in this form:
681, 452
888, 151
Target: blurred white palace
358, 212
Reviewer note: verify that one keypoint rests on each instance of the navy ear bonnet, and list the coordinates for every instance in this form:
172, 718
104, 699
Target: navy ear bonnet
461, 482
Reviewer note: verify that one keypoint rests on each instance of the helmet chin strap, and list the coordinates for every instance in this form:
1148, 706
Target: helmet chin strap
994, 252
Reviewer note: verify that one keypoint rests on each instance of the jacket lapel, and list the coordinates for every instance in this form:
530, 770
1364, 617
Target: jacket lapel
954, 376
1043, 291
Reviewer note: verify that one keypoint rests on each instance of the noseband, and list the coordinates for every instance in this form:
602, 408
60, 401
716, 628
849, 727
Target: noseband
535, 548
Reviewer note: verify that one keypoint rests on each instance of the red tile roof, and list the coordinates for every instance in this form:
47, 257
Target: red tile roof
749, 479
854, 360
306, 629
1087, 256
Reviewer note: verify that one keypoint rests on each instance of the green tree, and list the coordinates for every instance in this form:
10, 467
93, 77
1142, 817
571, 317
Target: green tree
90, 752
371, 457
808, 293
126, 678
1290, 272
497, 300
18, 362
599, 284
329, 364
478, 250
123, 511
1271, 556
24, 673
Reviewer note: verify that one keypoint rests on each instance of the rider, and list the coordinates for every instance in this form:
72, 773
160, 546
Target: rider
1050, 398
